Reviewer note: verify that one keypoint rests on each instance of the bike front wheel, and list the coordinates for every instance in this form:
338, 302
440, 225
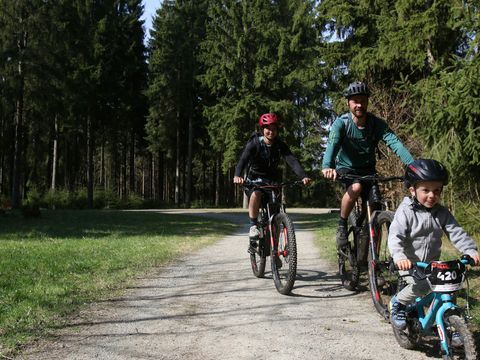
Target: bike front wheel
284, 254
383, 280
348, 266
461, 344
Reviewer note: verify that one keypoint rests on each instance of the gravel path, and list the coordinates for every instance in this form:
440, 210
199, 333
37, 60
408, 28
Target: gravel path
208, 305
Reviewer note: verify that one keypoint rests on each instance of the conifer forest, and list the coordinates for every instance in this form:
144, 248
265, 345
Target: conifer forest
92, 115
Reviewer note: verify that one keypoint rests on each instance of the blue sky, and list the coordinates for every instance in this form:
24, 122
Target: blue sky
151, 7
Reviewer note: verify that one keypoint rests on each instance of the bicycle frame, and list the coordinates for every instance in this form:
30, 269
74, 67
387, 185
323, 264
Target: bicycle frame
371, 213
282, 247
270, 195
438, 305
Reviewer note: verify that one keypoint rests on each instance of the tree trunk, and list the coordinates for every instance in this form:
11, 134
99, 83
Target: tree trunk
18, 142
132, 163
55, 155
90, 165
188, 189
177, 164
217, 180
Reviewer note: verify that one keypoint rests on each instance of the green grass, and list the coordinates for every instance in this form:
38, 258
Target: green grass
51, 266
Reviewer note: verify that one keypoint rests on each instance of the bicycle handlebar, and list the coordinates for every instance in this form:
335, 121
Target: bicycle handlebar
464, 259
264, 185
419, 266
370, 177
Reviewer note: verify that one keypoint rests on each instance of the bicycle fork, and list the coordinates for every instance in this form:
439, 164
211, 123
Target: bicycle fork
371, 235
439, 307
447, 305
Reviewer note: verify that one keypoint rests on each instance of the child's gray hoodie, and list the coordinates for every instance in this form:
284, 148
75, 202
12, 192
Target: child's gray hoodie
416, 232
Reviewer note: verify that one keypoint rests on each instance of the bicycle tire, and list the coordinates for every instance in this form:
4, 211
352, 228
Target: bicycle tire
258, 256
383, 281
410, 337
467, 350
348, 266
258, 260
285, 253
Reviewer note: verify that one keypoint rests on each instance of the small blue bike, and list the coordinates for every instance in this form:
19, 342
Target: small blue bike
439, 310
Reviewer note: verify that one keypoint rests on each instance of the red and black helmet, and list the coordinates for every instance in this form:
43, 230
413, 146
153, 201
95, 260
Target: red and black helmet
268, 119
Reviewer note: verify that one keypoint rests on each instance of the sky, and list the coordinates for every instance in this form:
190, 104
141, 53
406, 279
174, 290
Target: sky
151, 7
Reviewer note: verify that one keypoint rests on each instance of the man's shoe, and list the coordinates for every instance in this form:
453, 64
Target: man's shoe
254, 232
342, 237
398, 316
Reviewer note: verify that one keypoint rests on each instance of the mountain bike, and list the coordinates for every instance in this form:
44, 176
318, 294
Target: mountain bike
368, 225
439, 310
277, 237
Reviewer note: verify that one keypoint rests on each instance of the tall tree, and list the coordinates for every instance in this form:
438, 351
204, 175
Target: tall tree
260, 56
174, 91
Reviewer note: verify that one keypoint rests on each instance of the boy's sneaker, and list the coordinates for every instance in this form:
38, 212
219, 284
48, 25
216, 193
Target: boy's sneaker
254, 232
456, 341
342, 237
398, 316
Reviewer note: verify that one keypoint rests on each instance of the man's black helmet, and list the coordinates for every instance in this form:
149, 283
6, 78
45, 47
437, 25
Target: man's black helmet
356, 88
425, 170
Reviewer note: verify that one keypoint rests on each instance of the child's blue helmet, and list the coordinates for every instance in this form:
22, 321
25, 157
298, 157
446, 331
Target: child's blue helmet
425, 170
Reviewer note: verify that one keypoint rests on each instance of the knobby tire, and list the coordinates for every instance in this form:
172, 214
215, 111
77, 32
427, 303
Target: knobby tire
467, 351
348, 266
258, 256
383, 281
284, 254
410, 337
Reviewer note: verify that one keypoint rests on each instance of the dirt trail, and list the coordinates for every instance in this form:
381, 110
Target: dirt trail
208, 305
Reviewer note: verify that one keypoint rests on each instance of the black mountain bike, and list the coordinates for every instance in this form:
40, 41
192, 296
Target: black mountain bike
368, 225
277, 237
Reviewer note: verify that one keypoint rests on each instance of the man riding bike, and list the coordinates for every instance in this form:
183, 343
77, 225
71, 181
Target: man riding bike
351, 146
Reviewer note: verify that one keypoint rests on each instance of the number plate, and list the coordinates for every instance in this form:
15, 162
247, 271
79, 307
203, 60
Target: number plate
445, 276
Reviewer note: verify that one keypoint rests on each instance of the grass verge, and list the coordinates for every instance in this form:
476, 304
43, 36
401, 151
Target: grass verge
53, 265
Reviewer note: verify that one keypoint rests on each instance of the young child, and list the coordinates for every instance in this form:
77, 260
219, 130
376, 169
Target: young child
261, 156
416, 231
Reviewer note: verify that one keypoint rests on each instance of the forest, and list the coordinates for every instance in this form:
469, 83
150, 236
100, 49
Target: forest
91, 116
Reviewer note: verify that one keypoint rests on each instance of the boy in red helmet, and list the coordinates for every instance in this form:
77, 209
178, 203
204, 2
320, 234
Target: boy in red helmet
262, 155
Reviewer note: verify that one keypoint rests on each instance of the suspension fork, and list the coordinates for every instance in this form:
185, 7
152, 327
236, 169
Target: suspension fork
372, 244
447, 304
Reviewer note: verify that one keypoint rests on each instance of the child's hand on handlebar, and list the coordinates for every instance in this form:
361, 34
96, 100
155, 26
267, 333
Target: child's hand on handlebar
476, 258
306, 181
404, 264
329, 173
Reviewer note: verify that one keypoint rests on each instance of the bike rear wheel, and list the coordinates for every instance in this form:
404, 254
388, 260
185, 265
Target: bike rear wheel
284, 254
409, 337
465, 349
258, 259
383, 280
